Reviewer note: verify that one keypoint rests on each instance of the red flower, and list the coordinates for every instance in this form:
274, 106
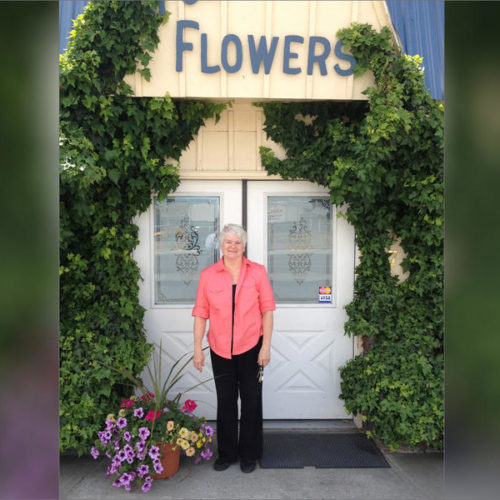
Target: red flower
189, 405
148, 397
152, 415
129, 403
124, 403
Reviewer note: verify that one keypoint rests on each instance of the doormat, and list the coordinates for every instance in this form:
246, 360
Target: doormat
295, 450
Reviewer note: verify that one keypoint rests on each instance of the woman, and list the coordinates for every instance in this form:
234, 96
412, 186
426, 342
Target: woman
236, 296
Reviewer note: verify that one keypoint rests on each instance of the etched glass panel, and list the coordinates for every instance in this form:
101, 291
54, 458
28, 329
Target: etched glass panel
299, 247
185, 242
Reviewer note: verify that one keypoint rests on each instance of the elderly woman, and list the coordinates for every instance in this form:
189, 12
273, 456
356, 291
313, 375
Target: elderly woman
236, 296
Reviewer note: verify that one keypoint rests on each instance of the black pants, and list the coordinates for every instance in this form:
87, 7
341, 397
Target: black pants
238, 373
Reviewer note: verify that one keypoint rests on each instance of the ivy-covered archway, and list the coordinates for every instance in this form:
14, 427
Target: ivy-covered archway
383, 158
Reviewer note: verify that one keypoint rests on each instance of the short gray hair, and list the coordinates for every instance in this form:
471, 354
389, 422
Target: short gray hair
237, 230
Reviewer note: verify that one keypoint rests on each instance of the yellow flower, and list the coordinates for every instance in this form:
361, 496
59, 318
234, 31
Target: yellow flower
198, 444
194, 437
111, 417
170, 425
133, 398
179, 441
184, 433
204, 440
209, 439
200, 434
184, 444
122, 412
190, 452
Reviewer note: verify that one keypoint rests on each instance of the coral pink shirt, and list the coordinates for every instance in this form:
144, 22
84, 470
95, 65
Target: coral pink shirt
214, 301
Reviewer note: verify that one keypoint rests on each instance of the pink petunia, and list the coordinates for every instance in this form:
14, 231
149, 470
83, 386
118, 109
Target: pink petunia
189, 405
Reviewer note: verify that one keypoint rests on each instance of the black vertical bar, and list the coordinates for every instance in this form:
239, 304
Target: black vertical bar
244, 189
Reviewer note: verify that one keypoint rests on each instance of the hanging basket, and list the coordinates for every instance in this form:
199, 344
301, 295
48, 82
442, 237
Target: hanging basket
169, 458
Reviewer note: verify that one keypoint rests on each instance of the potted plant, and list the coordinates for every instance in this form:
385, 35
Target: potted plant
145, 439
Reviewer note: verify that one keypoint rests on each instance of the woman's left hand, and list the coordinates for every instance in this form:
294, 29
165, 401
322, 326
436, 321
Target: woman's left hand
264, 356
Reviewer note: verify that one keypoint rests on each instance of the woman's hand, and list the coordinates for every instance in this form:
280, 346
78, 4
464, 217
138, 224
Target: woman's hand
264, 356
198, 360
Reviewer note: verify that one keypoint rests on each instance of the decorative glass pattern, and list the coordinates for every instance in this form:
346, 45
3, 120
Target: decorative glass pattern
186, 232
299, 247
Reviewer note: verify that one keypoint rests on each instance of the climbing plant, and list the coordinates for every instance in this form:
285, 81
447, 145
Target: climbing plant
382, 160
113, 148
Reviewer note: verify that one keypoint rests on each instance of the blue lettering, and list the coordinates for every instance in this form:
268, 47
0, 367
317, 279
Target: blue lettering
343, 57
190, 2
320, 58
181, 45
262, 55
205, 68
287, 54
239, 53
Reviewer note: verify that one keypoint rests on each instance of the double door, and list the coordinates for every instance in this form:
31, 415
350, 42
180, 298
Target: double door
308, 251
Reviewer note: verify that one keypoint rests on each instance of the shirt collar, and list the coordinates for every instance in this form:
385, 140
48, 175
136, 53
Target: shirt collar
221, 267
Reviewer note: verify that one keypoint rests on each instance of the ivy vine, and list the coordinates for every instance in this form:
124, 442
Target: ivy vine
113, 148
383, 159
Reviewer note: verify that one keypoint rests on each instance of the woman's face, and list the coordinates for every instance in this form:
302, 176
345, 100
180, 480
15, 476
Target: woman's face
232, 247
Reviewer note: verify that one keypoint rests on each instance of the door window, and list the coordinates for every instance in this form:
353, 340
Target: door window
186, 241
299, 247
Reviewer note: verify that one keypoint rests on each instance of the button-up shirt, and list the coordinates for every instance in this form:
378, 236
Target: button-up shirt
214, 300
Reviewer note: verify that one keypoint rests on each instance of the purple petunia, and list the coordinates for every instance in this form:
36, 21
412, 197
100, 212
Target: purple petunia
197, 460
107, 435
158, 467
165, 410
140, 445
122, 455
116, 442
109, 424
146, 486
94, 452
128, 449
127, 436
125, 478
139, 413
206, 454
144, 433
209, 431
142, 470
154, 452
121, 422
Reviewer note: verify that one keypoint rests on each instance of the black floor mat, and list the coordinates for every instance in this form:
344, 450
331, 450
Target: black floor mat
295, 450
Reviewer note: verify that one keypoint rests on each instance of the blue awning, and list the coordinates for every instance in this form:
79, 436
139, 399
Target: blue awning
420, 26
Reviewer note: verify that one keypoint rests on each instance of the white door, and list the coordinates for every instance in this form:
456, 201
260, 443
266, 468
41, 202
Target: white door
176, 243
293, 230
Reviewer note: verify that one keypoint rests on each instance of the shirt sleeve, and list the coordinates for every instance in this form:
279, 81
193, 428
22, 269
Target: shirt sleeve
266, 299
201, 306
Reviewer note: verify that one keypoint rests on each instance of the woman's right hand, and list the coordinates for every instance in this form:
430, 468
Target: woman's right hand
198, 360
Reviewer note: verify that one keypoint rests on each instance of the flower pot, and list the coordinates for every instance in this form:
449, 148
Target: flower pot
169, 459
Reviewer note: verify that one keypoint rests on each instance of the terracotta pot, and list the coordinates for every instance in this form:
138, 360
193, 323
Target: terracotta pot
169, 459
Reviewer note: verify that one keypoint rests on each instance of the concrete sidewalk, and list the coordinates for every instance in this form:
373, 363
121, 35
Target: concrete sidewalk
410, 476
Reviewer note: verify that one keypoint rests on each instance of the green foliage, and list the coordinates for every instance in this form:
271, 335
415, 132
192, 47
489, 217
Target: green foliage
113, 149
384, 160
